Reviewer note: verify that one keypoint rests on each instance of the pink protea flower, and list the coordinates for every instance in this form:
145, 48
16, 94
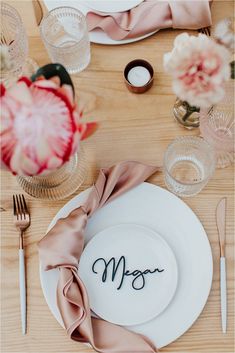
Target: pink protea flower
199, 68
40, 126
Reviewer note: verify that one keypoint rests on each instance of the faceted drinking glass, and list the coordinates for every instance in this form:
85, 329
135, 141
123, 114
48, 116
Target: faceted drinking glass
217, 128
189, 162
65, 35
14, 43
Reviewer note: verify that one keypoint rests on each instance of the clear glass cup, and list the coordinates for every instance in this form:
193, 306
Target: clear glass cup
189, 163
217, 128
65, 35
15, 42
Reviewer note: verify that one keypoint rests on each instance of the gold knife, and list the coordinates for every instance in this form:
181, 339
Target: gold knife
220, 219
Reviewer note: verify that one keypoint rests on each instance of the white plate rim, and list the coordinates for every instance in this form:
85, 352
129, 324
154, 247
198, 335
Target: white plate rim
78, 199
126, 5
153, 234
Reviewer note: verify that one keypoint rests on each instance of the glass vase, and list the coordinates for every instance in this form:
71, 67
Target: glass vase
60, 183
185, 114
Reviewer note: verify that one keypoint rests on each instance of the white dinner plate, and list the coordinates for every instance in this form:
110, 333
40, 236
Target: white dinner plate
112, 5
128, 267
157, 209
96, 36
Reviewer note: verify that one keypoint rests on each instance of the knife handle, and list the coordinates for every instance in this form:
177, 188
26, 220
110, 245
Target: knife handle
223, 294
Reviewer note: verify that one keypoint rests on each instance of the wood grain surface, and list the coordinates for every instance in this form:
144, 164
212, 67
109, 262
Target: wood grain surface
135, 127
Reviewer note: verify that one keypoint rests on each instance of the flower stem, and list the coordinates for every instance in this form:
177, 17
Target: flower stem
189, 110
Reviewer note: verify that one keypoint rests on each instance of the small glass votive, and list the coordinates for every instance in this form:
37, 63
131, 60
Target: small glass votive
189, 163
138, 76
65, 35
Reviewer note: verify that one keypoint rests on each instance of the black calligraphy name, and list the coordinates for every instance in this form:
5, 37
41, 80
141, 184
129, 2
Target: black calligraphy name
139, 276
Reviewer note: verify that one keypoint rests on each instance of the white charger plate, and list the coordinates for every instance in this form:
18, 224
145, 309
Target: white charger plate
97, 36
158, 209
112, 5
128, 249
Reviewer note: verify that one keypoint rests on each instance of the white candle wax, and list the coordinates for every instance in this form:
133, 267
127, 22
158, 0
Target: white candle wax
138, 76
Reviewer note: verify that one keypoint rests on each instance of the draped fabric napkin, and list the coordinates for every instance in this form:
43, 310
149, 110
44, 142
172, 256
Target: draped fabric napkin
150, 16
62, 247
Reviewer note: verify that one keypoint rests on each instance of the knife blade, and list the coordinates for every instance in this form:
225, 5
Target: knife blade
221, 226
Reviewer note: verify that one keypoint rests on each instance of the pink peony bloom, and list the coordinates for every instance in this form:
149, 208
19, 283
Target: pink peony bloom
40, 126
199, 68
224, 33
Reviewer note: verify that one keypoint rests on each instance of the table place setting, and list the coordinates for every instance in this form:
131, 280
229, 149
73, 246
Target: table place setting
126, 215
137, 252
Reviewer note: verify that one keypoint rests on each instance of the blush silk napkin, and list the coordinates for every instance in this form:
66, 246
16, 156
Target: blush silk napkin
150, 16
62, 247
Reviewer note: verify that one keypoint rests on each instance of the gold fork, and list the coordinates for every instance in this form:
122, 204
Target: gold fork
22, 222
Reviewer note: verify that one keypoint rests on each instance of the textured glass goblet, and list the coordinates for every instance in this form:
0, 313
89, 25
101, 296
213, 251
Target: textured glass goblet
65, 35
217, 127
14, 39
60, 183
189, 162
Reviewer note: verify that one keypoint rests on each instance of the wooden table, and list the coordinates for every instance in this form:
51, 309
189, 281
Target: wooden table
135, 127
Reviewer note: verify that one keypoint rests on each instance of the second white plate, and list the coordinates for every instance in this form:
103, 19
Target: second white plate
112, 5
97, 36
130, 274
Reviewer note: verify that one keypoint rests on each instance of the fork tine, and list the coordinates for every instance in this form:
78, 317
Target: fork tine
21, 207
14, 206
25, 205
18, 207
205, 30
